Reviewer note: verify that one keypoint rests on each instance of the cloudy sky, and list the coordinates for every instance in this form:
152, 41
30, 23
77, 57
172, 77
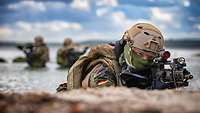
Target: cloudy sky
21, 20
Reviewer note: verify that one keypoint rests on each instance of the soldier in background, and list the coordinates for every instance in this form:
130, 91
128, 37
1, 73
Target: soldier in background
69, 53
63, 53
37, 54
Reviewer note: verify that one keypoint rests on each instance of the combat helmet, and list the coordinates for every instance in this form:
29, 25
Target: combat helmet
39, 40
67, 42
146, 37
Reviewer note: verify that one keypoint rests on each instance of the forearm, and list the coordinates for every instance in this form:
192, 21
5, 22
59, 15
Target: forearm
102, 76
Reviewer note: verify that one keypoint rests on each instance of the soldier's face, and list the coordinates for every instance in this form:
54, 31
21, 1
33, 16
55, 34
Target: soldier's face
66, 44
145, 55
136, 58
38, 42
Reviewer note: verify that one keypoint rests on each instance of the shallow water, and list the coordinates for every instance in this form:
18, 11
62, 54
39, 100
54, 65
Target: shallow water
17, 77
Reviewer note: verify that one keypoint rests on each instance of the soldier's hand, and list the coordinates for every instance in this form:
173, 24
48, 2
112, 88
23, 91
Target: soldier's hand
62, 87
20, 47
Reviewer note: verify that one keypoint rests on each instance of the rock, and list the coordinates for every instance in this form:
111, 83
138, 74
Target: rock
2, 60
105, 100
19, 59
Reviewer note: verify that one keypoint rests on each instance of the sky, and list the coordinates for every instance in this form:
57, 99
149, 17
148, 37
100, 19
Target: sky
82, 20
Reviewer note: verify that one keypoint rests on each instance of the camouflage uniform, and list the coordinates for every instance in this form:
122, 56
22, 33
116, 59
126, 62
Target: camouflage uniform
66, 56
39, 55
98, 67
103, 64
70, 52
62, 54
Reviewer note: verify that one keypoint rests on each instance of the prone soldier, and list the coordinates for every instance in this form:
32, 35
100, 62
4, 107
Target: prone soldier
129, 62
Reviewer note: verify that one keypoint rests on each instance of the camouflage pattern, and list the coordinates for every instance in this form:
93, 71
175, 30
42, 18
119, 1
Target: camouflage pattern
38, 57
101, 75
96, 68
38, 54
68, 55
133, 60
145, 37
19, 59
61, 58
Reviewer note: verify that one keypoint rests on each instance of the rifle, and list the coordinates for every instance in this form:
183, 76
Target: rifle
163, 74
26, 48
170, 74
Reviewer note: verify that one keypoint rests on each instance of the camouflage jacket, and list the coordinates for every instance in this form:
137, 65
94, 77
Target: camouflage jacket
38, 57
61, 57
67, 56
96, 68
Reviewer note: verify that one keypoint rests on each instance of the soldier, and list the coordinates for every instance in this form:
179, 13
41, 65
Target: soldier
63, 53
38, 56
68, 55
107, 65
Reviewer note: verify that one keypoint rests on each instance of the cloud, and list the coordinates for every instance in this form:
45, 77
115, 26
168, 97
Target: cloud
52, 30
34, 6
161, 16
37, 6
149, 3
24, 26
82, 5
110, 3
53, 26
93, 19
197, 26
4, 32
102, 11
151, 0
55, 5
105, 6
118, 17
122, 21
186, 3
